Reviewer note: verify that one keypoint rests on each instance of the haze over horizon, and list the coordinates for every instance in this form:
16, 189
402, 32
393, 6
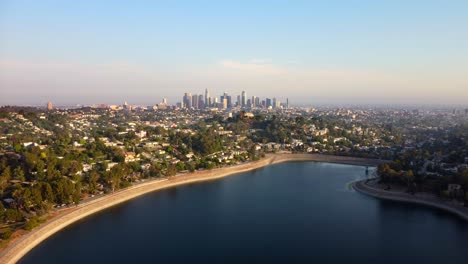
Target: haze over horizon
355, 52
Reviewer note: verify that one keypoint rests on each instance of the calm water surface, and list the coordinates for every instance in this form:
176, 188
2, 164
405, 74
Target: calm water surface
290, 212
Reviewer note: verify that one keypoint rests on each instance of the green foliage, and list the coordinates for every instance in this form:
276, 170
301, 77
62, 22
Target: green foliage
13, 215
115, 176
77, 194
92, 180
206, 143
7, 233
171, 170
154, 170
18, 174
32, 223
4, 179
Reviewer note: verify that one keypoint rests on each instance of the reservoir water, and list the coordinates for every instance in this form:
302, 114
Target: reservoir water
301, 212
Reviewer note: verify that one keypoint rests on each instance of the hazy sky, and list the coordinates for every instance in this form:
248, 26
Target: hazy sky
310, 51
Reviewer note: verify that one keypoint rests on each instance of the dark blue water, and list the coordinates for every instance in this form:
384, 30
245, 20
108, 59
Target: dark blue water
285, 213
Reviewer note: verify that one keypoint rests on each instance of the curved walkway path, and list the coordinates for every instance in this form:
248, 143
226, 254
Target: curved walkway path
418, 198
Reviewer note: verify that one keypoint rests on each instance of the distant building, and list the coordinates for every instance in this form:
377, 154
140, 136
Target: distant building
201, 102
187, 100
268, 103
127, 106
228, 99
207, 101
224, 102
244, 98
277, 104
50, 106
195, 101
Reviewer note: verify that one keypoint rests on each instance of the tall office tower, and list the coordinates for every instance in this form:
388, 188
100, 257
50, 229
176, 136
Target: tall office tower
274, 102
229, 101
248, 103
287, 103
195, 101
210, 102
224, 102
244, 99
126, 106
164, 101
257, 102
207, 101
263, 103
239, 102
222, 97
201, 103
187, 100
50, 106
268, 102
277, 104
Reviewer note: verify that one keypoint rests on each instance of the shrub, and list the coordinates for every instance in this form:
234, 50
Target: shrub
7, 233
32, 223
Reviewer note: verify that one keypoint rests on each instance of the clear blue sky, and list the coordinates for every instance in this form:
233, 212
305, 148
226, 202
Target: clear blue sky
310, 51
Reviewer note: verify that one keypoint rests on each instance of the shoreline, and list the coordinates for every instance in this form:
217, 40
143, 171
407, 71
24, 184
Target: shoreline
21, 247
425, 200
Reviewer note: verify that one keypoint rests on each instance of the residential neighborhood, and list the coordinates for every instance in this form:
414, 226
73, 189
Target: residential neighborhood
51, 158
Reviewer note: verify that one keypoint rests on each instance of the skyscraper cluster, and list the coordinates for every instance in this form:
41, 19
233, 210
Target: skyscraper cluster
225, 101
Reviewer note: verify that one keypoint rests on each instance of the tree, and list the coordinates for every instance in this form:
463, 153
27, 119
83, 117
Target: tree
13, 215
36, 196
171, 170
409, 177
18, 174
2, 213
77, 194
22, 197
4, 179
7, 233
47, 192
116, 174
154, 170
180, 166
93, 178
32, 223
115, 180
253, 153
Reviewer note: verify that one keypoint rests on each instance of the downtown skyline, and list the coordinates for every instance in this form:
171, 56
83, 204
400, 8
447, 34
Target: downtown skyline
391, 52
